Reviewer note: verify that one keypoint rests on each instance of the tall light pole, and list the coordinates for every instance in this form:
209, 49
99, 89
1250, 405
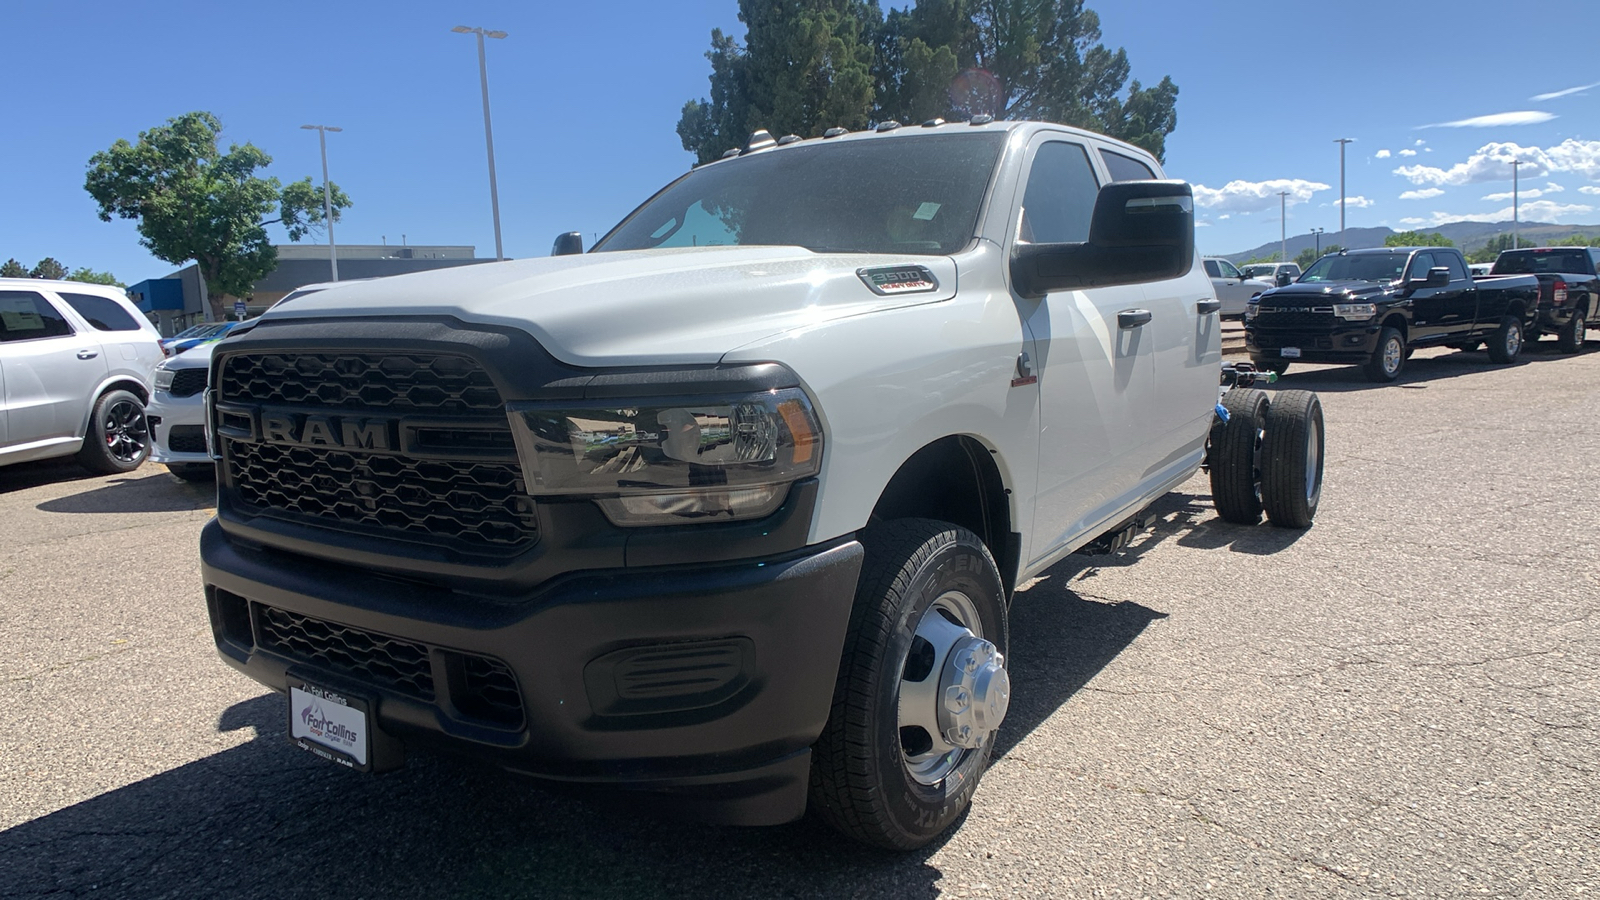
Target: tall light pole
1341, 142
1283, 226
327, 201
1516, 228
488, 132
1317, 233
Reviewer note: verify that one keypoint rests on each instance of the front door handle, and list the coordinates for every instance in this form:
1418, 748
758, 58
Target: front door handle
88, 354
1132, 318
1207, 307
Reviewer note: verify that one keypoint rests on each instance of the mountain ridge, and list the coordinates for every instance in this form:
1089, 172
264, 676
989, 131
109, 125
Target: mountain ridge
1467, 236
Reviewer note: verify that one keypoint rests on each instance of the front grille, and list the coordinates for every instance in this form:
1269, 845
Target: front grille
188, 382
187, 439
364, 655
470, 502
1268, 318
481, 688
440, 385
468, 495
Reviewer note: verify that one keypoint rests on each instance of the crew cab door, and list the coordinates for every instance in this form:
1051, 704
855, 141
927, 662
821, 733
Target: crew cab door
1096, 364
1438, 312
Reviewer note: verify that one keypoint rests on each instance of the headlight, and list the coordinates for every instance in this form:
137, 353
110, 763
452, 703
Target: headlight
1252, 309
163, 378
672, 461
1355, 311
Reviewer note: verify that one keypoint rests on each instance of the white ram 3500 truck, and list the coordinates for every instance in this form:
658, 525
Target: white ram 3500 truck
729, 509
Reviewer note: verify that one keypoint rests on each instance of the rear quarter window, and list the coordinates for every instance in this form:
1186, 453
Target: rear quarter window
102, 313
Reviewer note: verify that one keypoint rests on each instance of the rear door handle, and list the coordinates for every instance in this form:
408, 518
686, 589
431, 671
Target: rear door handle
1207, 307
1132, 318
88, 354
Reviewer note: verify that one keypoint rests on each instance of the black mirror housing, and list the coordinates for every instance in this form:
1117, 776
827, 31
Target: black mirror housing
1438, 276
1141, 231
1283, 279
569, 244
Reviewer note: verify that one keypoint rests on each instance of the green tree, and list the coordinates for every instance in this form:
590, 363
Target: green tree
13, 269
49, 268
194, 202
1417, 239
1309, 255
1578, 240
1491, 251
90, 276
805, 66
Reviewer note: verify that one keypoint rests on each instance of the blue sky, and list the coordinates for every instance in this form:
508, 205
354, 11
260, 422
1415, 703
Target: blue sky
585, 97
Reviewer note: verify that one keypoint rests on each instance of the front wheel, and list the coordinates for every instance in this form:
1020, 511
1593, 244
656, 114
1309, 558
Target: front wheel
922, 687
118, 438
1570, 338
1506, 343
1389, 358
1291, 459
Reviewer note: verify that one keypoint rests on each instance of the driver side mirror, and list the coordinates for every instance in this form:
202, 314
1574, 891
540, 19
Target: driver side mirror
1283, 279
1142, 231
1438, 276
569, 244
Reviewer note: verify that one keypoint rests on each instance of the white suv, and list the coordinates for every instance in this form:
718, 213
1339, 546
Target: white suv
75, 363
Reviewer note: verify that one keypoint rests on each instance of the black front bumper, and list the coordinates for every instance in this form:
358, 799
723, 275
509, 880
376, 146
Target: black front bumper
707, 682
1343, 344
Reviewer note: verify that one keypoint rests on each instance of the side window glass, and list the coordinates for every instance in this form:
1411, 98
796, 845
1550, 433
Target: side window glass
1420, 264
103, 313
1211, 268
1228, 271
1059, 202
1126, 168
1458, 271
25, 316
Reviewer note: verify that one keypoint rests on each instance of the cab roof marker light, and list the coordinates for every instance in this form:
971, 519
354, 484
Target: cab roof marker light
788, 139
760, 139
981, 120
933, 123
887, 126
835, 132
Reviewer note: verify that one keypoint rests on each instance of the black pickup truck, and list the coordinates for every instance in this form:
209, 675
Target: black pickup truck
1569, 289
1373, 307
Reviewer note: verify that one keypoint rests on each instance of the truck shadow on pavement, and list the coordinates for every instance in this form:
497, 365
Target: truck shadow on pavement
141, 491
1427, 366
21, 476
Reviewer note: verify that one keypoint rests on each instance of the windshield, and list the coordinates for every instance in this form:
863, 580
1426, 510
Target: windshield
1536, 262
1381, 267
200, 331
882, 195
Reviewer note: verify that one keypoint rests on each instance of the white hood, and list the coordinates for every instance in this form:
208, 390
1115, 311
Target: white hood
638, 307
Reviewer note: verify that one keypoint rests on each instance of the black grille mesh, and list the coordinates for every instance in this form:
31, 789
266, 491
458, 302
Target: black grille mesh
478, 503
1280, 321
381, 381
373, 658
187, 439
188, 382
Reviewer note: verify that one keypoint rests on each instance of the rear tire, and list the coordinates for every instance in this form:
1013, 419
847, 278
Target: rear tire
1291, 459
118, 437
875, 777
1389, 358
1235, 473
1506, 343
1570, 338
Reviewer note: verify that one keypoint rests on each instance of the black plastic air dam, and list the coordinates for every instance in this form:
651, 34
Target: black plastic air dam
740, 759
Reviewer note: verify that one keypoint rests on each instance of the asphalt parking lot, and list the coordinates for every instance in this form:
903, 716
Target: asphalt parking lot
1400, 701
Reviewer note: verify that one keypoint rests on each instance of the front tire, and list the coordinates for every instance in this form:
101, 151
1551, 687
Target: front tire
1234, 457
118, 437
1291, 464
1506, 343
928, 632
1389, 358
1570, 338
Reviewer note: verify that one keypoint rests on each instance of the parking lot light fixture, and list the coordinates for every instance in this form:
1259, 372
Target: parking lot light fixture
1283, 226
488, 130
1341, 142
1516, 228
327, 201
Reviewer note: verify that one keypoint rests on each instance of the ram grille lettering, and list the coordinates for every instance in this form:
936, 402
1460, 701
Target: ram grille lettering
327, 431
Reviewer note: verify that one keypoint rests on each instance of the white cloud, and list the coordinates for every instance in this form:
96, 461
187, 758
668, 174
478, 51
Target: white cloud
1539, 210
1554, 94
1358, 202
1492, 162
1381, 154
1589, 189
1496, 120
1245, 197
1503, 196
1420, 142
1423, 194
1550, 187
1408, 152
1224, 217
1202, 224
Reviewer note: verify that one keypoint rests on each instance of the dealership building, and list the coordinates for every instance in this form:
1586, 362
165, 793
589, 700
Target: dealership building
177, 301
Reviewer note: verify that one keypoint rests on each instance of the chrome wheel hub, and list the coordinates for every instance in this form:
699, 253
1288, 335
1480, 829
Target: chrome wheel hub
1392, 354
954, 690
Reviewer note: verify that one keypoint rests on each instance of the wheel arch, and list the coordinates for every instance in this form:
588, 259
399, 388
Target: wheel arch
955, 479
1398, 323
114, 383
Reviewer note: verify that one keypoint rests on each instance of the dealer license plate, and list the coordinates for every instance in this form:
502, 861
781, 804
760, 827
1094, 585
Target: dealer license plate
334, 726
1290, 353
